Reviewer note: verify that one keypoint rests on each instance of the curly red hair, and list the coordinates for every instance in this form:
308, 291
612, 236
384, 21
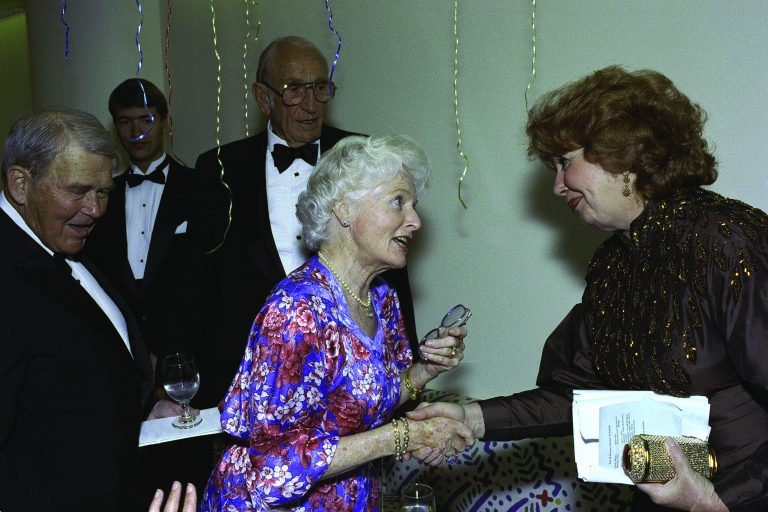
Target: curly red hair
626, 121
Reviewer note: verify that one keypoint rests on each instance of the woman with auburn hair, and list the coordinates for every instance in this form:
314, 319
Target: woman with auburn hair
676, 299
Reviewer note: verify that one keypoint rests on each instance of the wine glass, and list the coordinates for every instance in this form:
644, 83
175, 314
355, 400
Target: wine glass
417, 498
181, 381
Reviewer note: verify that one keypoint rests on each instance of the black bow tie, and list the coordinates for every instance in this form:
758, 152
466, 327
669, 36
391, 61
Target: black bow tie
284, 156
134, 178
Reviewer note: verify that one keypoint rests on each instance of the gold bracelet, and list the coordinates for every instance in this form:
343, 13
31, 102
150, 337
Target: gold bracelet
413, 391
406, 435
398, 453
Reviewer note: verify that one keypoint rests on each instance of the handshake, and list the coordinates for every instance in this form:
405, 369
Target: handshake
435, 432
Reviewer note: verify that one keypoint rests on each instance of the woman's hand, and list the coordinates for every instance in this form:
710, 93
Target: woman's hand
688, 490
172, 505
443, 354
435, 439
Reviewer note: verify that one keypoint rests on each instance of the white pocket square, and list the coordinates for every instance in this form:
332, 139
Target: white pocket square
181, 228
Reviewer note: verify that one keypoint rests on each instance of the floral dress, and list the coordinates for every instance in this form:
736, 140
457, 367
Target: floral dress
309, 376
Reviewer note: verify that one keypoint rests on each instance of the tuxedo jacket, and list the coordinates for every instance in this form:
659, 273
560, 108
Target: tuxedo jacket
172, 302
248, 264
71, 394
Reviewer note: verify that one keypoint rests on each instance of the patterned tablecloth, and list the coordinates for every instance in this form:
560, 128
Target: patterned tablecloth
532, 475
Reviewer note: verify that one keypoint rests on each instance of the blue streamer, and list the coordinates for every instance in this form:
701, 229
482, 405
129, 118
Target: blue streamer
138, 70
338, 49
66, 33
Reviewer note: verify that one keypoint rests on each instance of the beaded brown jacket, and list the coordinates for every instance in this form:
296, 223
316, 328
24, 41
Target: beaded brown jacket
679, 307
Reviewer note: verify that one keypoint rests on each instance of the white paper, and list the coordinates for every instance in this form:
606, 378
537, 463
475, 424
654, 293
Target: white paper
604, 421
162, 430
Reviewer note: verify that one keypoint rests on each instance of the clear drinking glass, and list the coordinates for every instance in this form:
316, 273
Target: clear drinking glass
181, 382
417, 498
455, 317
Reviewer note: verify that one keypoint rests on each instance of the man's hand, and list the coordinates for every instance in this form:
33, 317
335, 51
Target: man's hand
172, 505
688, 490
166, 409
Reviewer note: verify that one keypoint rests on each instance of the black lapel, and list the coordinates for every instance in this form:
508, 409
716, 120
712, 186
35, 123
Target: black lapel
138, 349
166, 222
262, 248
114, 222
33, 264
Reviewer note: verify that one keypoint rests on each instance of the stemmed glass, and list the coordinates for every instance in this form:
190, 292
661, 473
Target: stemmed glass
181, 381
417, 498
455, 317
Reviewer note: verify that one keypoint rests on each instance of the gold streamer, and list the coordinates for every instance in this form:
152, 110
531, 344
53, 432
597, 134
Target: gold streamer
168, 75
246, 88
456, 98
533, 53
218, 122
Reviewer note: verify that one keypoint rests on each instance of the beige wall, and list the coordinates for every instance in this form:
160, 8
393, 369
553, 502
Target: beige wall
14, 80
516, 256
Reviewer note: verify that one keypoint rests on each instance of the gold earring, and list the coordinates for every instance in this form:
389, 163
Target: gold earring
625, 191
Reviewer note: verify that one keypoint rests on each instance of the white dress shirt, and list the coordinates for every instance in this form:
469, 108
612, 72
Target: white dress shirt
80, 273
283, 191
141, 204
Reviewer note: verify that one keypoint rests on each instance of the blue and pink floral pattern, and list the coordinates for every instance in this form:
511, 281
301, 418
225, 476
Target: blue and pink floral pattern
309, 376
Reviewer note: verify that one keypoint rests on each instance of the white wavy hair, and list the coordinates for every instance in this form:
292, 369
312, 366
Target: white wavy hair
352, 169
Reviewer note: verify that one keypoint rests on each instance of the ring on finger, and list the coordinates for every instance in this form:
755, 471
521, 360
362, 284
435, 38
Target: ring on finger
453, 351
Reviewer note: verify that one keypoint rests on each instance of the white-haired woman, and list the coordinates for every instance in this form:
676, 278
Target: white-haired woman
328, 362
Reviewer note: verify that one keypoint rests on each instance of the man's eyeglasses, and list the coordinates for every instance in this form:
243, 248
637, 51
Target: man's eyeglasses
455, 317
293, 94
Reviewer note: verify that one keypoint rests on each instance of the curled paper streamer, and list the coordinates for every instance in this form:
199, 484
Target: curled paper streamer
218, 80
533, 52
168, 73
246, 88
66, 32
338, 48
218, 120
456, 99
138, 70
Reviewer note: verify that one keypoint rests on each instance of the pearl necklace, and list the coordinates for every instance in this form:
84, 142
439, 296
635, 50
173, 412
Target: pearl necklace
367, 306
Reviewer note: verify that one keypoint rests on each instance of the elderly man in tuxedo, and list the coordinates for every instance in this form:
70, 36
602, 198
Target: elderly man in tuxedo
75, 376
265, 174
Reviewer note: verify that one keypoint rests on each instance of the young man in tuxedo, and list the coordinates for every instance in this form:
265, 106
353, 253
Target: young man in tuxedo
75, 376
163, 220
265, 174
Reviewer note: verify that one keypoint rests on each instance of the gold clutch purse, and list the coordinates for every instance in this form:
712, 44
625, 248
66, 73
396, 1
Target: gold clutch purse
646, 459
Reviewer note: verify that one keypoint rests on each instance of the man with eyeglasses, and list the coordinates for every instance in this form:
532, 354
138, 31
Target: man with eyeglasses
265, 174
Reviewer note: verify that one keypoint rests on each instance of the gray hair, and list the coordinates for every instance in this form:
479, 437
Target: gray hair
268, 55
36, 139
352, 169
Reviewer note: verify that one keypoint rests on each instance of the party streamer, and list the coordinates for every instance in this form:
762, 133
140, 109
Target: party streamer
218, 119
338, 48
218, 80
456, 98
533, 53
66, 31
138, 70
168, 74
246, 88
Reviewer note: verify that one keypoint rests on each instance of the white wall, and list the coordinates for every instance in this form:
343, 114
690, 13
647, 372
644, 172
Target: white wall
102, 51
516, 256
